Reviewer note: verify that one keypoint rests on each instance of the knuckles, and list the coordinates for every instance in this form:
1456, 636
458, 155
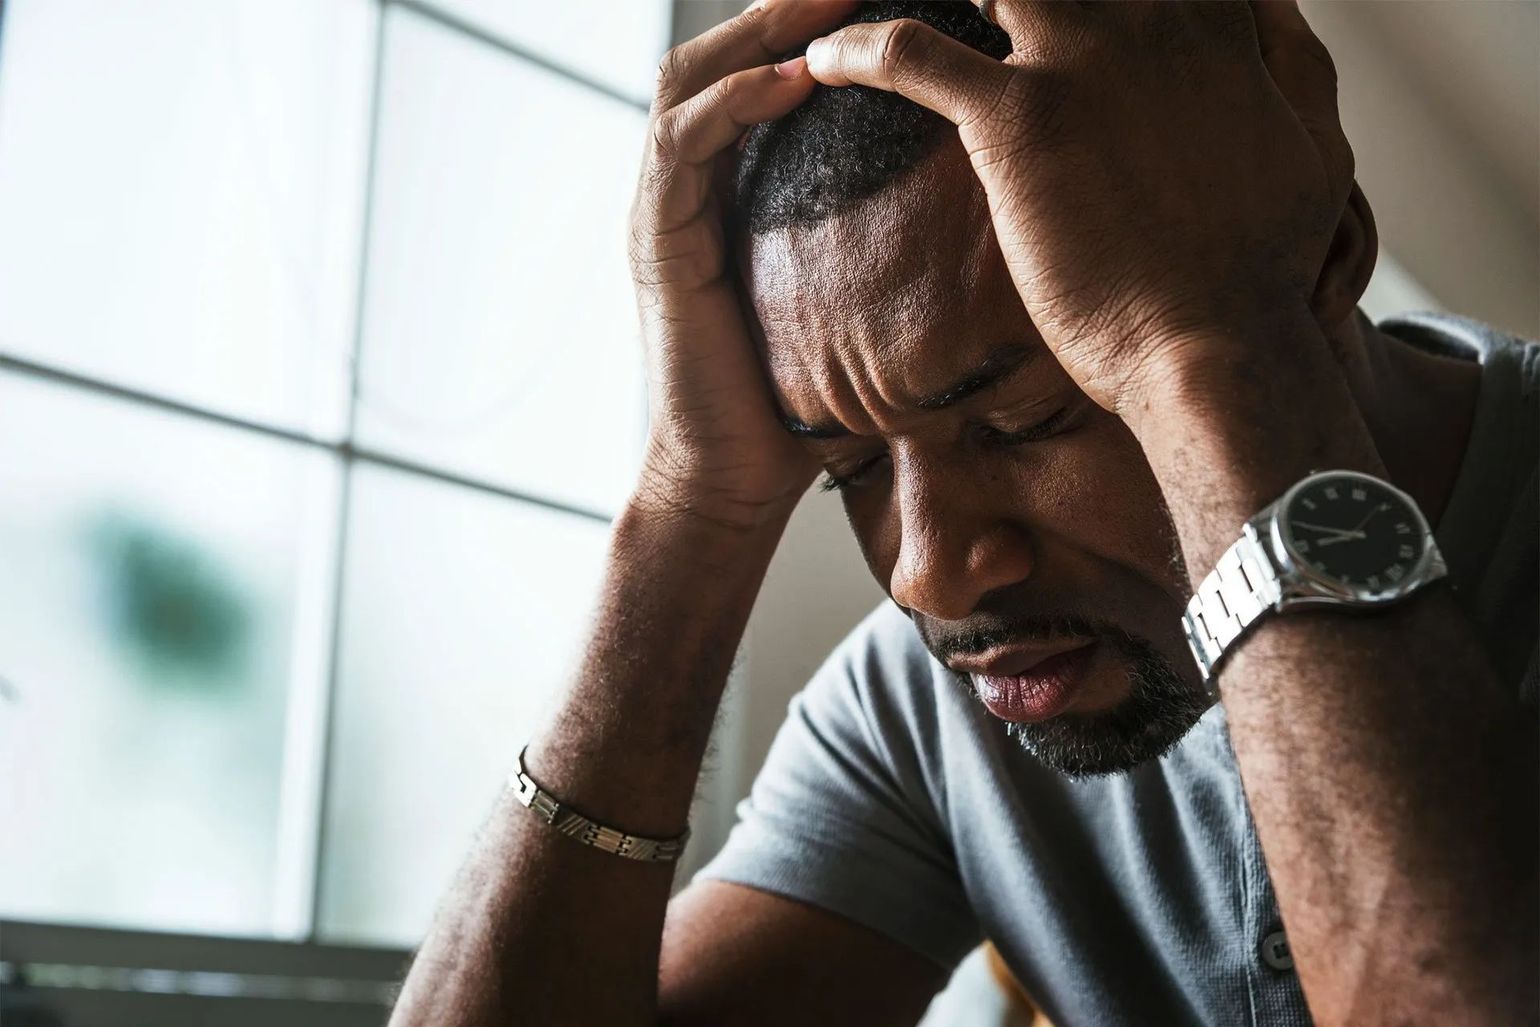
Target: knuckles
903, 47
666, 130
671, 72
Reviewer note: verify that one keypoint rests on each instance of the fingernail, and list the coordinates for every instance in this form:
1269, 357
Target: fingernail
756, 5
792, 68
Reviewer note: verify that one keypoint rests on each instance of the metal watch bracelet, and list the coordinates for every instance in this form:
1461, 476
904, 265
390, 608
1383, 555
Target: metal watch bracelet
1236, 592
574, 825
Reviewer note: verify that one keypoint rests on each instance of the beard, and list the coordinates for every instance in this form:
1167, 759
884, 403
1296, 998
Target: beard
1160, 709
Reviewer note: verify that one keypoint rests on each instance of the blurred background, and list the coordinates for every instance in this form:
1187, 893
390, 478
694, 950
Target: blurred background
319, 383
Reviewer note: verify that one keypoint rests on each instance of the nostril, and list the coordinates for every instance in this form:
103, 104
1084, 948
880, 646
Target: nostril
928, 589
946, 583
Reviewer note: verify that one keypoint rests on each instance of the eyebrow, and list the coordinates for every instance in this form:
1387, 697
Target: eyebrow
995, 368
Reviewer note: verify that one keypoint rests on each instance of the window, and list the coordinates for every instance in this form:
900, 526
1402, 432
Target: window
319, 381
498, 290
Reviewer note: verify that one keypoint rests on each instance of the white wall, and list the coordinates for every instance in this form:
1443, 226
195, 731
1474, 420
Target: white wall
1441, 102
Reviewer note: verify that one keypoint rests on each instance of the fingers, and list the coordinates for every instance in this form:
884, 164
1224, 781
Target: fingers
757, 36
1302, 69
911, 58
695, 131
687, 138
1030, 23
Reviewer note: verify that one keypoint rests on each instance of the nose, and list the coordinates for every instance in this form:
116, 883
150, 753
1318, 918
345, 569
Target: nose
956, 543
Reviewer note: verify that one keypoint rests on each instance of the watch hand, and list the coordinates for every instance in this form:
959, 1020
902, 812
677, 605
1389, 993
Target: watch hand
1368, 515
1346, 532
1344, 537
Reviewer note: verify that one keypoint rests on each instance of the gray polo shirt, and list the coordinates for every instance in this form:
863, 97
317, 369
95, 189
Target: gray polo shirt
893, 798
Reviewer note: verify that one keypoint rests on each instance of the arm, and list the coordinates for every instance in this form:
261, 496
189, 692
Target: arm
1391, 778
542, 930
736, 955
539, 929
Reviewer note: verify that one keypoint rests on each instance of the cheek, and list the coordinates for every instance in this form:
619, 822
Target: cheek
1098, 491
1090, 489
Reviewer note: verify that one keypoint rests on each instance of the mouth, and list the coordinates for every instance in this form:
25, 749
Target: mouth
1028, 684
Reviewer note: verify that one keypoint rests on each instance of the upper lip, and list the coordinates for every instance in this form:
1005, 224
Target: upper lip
1012, 660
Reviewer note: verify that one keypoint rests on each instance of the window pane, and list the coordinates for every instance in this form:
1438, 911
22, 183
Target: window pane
462, 615
500, 327
618, 44
180, 196
161, 577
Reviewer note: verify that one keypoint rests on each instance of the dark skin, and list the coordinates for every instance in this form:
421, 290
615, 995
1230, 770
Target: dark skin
1387, 771
866, 314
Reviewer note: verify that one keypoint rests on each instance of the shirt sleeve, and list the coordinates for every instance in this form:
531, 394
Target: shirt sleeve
843, 816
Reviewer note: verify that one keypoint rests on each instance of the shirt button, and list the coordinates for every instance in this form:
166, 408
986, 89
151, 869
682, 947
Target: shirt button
1275, 951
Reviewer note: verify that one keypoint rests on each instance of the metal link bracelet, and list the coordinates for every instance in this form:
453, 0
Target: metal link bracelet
574, 825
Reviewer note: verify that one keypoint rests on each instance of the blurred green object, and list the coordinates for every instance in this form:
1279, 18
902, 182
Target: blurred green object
181, 615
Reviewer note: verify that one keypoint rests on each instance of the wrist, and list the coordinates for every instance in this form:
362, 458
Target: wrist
706, 511
693, 526
704, 502
1237, 418
1195, 368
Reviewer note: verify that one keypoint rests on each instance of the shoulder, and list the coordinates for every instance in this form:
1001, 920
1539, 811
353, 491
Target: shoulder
880, 678
884, 650
1490, 529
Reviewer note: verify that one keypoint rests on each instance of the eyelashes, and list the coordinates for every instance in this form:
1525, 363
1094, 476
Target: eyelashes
832, 482
841, 482
1042, 430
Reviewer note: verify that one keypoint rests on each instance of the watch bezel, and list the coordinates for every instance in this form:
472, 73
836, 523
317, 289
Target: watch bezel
1301, 584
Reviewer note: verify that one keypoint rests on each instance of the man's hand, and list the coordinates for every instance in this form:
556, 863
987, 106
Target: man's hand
1165, 181
715, 448
1160, 175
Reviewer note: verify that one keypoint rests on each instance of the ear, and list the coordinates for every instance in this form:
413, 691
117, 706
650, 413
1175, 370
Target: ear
1349, 263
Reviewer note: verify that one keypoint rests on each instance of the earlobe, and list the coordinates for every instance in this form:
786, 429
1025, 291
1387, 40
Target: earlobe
1349, 262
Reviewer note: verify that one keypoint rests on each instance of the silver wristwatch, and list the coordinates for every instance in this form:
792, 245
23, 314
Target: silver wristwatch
1335, 539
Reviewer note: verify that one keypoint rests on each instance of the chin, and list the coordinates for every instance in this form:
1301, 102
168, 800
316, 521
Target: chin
1106, 689
1138, 716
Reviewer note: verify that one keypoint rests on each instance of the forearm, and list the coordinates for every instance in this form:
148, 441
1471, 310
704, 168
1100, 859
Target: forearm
1389, 775
540, 929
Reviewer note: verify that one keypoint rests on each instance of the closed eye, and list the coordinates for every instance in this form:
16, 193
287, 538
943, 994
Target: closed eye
1041, 430
833, 482
840, 482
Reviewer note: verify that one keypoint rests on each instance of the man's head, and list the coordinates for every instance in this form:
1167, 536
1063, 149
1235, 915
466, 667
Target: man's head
1010, 516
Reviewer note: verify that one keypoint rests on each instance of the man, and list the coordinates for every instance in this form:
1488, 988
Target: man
1060, 307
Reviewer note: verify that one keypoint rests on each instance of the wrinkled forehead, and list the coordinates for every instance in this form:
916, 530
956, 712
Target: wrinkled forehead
908, 280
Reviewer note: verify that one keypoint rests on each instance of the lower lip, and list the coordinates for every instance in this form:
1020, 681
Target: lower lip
1042, 692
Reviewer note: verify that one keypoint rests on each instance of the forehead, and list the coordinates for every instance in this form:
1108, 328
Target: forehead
891, 298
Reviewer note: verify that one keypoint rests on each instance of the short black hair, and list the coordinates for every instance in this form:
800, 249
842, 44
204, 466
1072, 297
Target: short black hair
843, 145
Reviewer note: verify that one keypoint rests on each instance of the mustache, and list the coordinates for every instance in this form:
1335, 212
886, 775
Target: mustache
985, 633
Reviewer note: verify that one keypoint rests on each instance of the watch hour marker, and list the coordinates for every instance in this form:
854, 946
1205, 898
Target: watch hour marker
1402, 528
1374, 581
1308, 504
1359, 494
1303, 545
1330, 491
1404, 552
1395, 572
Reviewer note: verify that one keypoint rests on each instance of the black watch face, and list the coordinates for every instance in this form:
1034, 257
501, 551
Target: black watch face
1354, 531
